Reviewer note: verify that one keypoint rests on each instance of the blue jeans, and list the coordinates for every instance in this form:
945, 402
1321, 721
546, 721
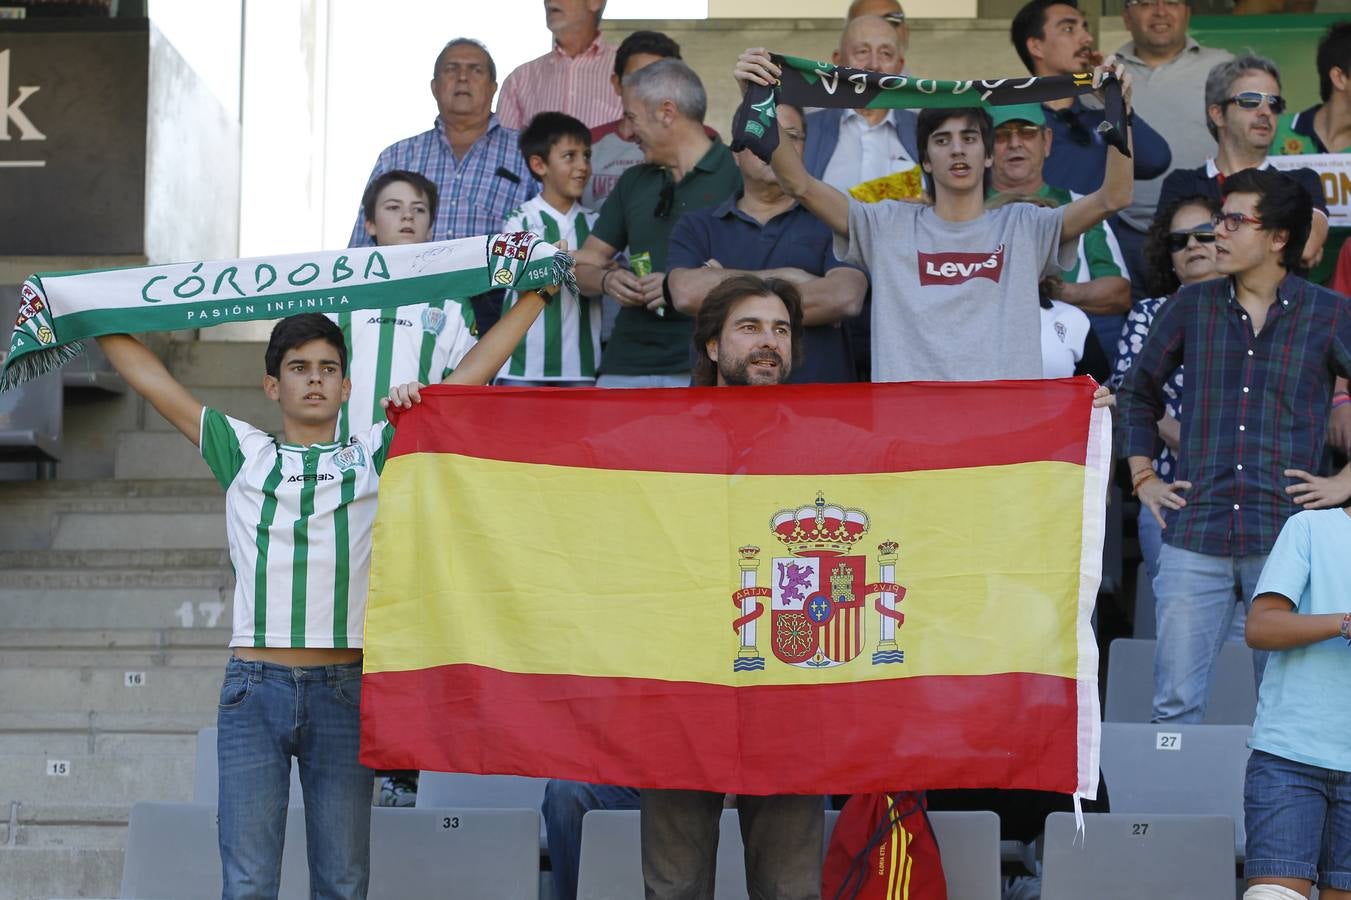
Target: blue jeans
268, 714
782, 836
1194, 608
1298, 819
565, 802
1150, 535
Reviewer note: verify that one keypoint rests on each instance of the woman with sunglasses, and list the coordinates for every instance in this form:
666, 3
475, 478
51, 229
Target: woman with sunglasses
1179, 250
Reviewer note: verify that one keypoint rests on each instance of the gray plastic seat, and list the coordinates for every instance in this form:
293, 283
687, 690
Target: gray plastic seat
466, 790
431, 854
611, 862
173, 853
206, 778
1126, 856
1190, 769
1130, 684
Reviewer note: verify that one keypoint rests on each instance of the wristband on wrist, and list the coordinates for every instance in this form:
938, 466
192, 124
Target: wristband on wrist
1346, 628
608, 273
1341, 398
1140, 478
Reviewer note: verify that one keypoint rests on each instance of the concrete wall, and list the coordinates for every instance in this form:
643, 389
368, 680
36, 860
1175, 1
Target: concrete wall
192, 163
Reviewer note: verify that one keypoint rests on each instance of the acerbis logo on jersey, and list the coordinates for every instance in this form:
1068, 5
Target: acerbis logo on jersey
959, 268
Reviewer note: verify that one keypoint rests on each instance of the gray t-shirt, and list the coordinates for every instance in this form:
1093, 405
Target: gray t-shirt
954, 301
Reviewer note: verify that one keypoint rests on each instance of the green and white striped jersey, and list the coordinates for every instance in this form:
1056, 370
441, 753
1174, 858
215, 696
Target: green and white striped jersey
385, 347
299, 523
1098, 255
563, 344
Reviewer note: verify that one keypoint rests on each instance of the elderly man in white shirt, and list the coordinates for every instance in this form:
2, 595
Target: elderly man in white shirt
846, 147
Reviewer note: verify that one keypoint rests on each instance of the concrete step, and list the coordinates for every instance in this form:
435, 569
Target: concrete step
83, 825
64, 744
247, 403
125, 648
107, 689
141, 607
89, 491
214, 577
40, 873
217, 363
115, 559
97, 779
135, 530
34, 514
157, 454
166, 722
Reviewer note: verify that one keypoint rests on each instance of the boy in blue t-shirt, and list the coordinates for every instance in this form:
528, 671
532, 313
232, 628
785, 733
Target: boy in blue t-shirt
1297, 794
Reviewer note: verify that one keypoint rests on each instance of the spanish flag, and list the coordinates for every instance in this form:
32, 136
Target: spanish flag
793, 589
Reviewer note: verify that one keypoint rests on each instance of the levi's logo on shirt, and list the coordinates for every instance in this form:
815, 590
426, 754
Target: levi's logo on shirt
959, 268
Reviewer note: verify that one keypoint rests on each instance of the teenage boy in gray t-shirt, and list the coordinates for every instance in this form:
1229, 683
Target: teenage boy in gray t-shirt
954, 285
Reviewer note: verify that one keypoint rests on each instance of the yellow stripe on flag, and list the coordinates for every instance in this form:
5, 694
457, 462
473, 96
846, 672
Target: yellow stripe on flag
646, 563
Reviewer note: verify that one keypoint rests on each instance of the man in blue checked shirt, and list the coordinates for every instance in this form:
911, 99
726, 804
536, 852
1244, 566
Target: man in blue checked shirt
472, 159
1261, 348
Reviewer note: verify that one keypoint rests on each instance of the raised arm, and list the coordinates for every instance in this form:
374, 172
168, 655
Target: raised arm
1118, 182
823, 201
144, 371
482, 363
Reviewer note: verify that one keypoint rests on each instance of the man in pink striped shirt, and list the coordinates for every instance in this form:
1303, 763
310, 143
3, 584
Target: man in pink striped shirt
573, 77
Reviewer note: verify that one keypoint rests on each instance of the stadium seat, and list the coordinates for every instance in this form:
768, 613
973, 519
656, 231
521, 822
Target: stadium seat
206, 779
1191, 769
611, 866
468, 791
1127, 856
1130, 684
172, 853
431, 854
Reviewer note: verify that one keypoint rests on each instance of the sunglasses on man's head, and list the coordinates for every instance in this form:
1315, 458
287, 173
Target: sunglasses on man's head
1253, 99
895, 18
1177, 240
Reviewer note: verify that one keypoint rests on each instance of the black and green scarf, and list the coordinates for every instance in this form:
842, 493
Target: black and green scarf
806, 82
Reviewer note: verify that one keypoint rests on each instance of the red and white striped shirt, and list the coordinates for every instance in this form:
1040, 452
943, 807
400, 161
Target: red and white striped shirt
555, 82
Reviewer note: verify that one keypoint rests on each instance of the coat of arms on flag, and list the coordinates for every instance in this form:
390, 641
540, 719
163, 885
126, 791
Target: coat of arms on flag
818, 595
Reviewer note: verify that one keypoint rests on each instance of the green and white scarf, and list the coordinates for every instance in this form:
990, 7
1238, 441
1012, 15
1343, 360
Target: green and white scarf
58, 310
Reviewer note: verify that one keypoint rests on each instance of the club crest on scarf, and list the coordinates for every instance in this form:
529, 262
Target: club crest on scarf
506, 248
818, 595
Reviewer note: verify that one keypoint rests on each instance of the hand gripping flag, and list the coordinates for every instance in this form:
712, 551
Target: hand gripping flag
58, 310
798, 589
807, 83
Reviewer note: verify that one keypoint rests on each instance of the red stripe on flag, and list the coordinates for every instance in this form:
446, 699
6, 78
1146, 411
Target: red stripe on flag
814, 429
1015, 730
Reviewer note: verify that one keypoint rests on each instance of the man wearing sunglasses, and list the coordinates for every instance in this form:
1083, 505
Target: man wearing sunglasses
1243, 103
1261, 347
685, 169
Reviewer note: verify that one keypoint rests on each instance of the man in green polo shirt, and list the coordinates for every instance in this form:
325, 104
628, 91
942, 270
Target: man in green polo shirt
685, 169
1098, 283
